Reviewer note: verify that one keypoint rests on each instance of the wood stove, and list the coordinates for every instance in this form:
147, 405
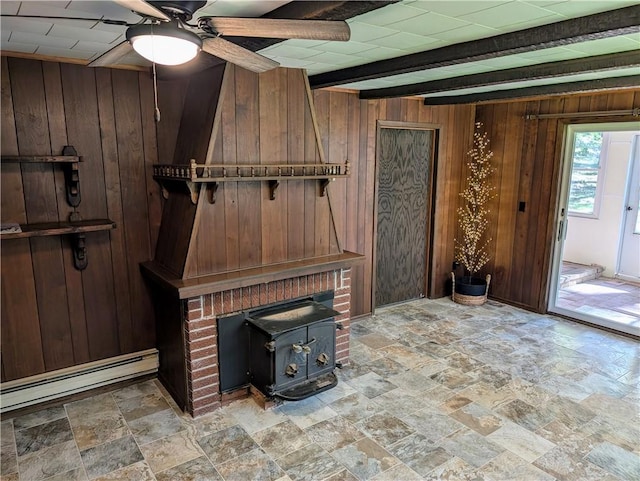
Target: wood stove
292, 349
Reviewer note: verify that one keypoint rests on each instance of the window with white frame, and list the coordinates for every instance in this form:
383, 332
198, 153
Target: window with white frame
587, 169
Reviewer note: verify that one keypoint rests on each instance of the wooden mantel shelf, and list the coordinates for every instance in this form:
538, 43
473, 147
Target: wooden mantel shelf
187, 288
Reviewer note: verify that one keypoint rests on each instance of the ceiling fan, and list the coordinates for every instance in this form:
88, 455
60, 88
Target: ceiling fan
165, 36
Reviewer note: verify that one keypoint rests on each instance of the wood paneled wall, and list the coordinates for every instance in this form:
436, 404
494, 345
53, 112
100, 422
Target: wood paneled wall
261, 119
527, 155
348, 131
54, 316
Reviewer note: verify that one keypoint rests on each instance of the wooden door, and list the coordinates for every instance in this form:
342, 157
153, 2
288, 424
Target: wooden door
404, 191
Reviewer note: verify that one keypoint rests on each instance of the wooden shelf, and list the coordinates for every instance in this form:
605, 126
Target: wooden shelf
60, 228
69, 160
192, 174
77, 230
39, 159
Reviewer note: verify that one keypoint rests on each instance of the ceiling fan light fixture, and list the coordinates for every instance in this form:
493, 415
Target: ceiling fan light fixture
164, 43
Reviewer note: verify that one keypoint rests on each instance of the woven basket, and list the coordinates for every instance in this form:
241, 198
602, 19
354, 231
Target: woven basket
465, 299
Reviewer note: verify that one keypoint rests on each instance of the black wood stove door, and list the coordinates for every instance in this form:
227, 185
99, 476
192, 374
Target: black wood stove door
322, 341
304, 353
291, 360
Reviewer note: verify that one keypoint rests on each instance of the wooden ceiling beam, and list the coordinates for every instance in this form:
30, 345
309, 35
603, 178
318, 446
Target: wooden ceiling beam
567, 32
630, 81
599, 63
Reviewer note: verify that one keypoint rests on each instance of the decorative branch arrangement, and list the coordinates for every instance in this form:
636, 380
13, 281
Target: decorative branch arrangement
471, 250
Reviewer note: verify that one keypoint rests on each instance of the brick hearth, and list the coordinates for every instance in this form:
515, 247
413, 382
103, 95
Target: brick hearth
202, 313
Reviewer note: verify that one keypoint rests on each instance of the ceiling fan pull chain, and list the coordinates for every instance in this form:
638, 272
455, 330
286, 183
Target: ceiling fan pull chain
156, 112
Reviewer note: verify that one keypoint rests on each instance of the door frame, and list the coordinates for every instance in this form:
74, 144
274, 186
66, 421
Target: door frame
399, 125
558, 231
632, 173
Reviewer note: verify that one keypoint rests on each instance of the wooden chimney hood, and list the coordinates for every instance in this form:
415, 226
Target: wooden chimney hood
216, 235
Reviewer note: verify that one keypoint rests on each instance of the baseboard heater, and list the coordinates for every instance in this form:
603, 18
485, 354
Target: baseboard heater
63, 382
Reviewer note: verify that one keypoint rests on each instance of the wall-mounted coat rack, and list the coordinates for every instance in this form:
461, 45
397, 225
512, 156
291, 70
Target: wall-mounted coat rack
174, 177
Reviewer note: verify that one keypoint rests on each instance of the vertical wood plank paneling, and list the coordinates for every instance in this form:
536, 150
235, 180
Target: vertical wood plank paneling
154, 196
322, 216
133, 177
61, 103
229, 141
41, 206
521, 231
171, 98
21, 342
273, 126
337, 151
73, 277
508, 198
297, 104
109, 140
311, 156
84, 133
248, 152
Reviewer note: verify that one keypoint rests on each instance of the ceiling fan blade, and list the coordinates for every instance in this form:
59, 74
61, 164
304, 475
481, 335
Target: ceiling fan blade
143, 8
280, 28
235, 54
111, 57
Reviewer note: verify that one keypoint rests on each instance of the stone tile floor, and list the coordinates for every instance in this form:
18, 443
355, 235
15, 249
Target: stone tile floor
435, 390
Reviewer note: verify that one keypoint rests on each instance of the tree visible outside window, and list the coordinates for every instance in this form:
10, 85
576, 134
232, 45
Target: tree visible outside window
585, 174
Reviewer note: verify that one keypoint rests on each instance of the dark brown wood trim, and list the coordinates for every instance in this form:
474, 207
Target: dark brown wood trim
591, 27
198, 286
530, 72
631, 81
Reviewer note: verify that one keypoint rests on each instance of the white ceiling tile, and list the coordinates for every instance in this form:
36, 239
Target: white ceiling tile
94, 46
464, 34
347, 48
363, 32
9, 8
302, 43
379, 53
605, 45
104, 9
510, 14
455, 8
402, 41
332, 58
390, 14
33, 39
433, 43
573, 9
428, 24
551, 54
509, 61
70, 53
17, 47
28, 25
283, 50
91, 35
242, 8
